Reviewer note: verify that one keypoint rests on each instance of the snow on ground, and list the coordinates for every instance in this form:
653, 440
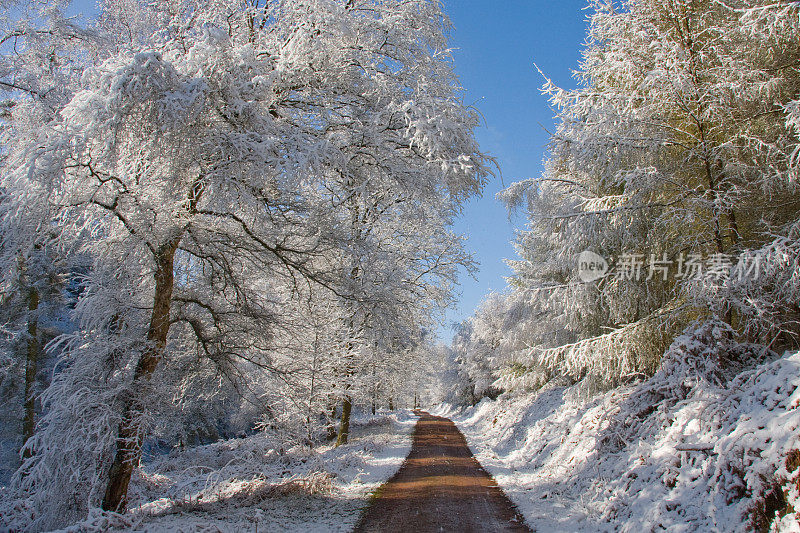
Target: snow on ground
687, 450
251, 484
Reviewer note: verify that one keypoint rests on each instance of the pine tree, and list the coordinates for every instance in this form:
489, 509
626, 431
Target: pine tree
675, 144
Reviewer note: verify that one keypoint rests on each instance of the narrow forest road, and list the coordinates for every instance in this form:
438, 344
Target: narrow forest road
440, 487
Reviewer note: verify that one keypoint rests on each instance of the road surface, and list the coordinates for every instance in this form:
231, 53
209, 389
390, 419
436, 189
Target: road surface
440, 487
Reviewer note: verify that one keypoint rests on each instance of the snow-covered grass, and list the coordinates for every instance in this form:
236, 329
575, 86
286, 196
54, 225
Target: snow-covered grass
700, 446
252, 484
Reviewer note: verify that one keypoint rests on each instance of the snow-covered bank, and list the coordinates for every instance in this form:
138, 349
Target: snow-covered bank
250, 484
691, 449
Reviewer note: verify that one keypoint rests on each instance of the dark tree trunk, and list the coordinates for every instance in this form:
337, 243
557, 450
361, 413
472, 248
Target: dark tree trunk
31, 368
129, 438
331, 429
344, 427
374, 390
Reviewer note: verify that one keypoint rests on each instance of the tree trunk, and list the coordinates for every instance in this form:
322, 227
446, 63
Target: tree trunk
129, 438
312, 390
31, 368
344, 427
331, 429
347, 403
374, 390
391, 403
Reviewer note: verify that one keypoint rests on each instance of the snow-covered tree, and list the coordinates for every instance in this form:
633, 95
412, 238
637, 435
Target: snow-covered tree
402, 158
219, 162
38, 74
184, 184
675, 144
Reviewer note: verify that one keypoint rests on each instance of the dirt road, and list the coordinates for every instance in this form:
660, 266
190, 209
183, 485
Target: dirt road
440, 487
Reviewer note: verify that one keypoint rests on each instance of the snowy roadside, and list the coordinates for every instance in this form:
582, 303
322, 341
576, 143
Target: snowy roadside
249, 485
678, 452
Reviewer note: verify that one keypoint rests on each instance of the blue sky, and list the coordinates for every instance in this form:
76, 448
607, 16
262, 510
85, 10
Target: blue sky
496, 45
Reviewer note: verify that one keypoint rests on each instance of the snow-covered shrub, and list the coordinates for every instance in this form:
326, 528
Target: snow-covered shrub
705, 356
